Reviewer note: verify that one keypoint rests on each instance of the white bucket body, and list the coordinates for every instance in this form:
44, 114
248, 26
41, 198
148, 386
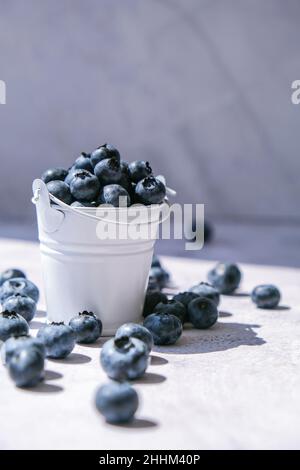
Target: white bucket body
83, 272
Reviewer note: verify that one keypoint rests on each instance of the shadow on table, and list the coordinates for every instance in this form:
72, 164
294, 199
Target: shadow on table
221, 337
73, 358
150, 378
44, 387
137, 423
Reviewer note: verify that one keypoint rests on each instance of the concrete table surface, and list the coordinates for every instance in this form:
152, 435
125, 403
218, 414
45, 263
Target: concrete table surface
235, 386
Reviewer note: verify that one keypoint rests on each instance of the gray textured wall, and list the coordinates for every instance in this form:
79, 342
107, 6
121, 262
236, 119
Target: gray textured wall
200, 88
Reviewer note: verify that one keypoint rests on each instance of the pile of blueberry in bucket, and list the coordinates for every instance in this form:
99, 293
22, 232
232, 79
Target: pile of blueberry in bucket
101, 177
125, 357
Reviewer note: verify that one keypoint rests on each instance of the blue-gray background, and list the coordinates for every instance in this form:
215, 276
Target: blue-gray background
200, 88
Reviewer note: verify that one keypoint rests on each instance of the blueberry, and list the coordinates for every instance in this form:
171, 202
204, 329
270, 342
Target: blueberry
172, 307
84, 163
12, 324
58, 338
117, 402
166, 329
54, 174
84, 186
139, 170
60, 190
124, 168
124, 358
150, 190
225, 277
87, 327
203, 289
266, 296
134, 330
26, 367
10, 274
202, 313
103, 152
20, 286
111, 194
185, 297
155, 262
108, 171
21, 304
160, 275
70, 175
15, 343
153, 297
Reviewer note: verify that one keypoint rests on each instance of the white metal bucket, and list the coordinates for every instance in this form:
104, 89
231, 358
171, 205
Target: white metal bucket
83, 272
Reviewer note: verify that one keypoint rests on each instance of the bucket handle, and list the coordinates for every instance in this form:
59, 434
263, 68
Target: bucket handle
51, 222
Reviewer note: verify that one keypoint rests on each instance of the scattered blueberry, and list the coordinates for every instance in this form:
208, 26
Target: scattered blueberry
87, 327
26, 367
160, 275
10, 274
124, 167
21, 304
203, 289
124, 358
155, 262
166, 329
60, 190
21, 286
84, 163
266, 296
139, 170
150, 190
54, 174
58, 338
15, 343
225, 277
202, 313
12, 324
108, 171
117, 402
134, 330
172, 307
153, 297
111, 194
185, 297
103, 152
84, 186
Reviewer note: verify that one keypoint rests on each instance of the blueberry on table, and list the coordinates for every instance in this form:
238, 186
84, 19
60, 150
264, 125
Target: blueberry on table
153, 297
108, 171
139, 170
266, 296
155, 262
172, 307
15, 343
60, 190
103, 152
84, 186
21, 304
160, 275
203, 289
135, 330
124, 358
58, 338
87, 327
112, 193
202, 313
54, 174
19, 285
185, 297
225, 277
150, 190
26, 367
117, 402
124, 167
166, 329
84, 163
12, 324
10, 274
